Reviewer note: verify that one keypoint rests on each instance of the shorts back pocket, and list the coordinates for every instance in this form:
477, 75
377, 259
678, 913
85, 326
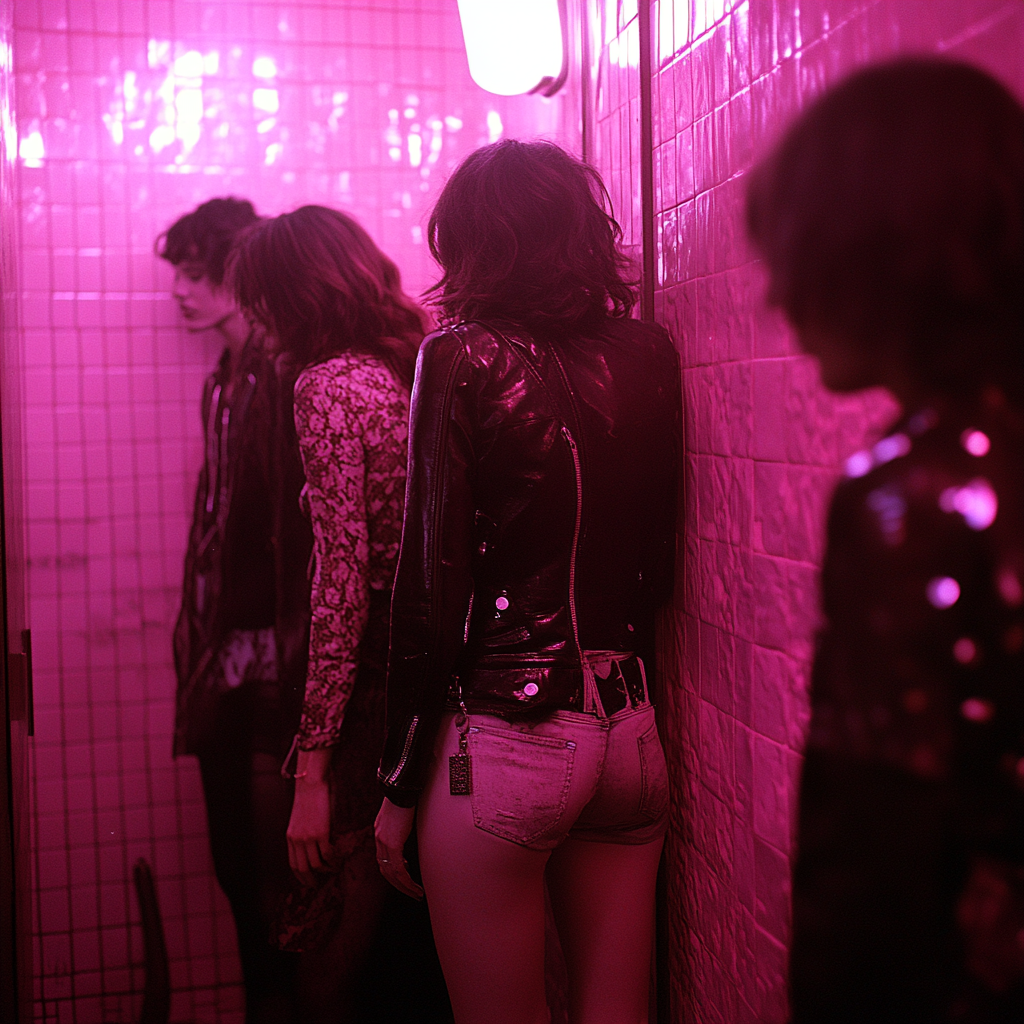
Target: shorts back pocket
654, 776
520, 784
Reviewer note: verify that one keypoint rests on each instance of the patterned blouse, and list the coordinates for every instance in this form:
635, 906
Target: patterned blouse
351, 417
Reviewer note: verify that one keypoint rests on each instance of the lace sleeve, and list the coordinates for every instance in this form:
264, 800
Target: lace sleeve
327, 423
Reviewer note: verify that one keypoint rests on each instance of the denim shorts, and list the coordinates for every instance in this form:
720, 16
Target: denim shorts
574, 774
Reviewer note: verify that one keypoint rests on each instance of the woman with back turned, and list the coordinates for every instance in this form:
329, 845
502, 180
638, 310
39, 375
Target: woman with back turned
891, 219
537, 546
347, 337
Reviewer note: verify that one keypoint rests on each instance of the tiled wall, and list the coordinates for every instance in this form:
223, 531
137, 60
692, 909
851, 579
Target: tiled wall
130, 112
763, 441
15, 989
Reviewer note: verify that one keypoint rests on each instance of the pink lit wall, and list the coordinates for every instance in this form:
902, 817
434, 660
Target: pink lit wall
130, 112
763, 440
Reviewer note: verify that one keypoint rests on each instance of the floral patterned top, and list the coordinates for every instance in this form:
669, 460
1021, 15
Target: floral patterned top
351, 417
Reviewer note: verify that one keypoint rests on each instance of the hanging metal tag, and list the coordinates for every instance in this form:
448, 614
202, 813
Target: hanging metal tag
459, 774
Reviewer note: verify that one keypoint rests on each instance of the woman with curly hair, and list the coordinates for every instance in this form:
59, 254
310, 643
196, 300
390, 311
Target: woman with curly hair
347, 336
537, 547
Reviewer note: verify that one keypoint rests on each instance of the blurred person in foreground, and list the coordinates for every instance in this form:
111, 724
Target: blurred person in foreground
891, 220
240, 640
537, 548
347, 335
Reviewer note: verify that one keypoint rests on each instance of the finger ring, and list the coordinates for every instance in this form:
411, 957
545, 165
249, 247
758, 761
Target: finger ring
382, 860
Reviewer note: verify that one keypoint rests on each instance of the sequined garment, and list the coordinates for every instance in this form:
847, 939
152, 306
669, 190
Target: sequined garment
351, 416
913, 786
920, 664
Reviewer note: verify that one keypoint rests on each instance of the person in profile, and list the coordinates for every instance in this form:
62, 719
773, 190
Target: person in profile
891, 220
348, 334
241, 637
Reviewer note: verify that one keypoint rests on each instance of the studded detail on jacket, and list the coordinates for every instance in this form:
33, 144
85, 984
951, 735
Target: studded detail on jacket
539, 521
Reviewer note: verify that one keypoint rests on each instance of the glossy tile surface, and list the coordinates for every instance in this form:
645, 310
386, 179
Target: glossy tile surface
764, 443
130, 113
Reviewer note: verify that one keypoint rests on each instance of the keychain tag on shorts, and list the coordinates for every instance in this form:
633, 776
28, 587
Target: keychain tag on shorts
458, 764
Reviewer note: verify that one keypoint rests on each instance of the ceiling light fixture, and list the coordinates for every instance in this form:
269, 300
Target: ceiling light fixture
516, 46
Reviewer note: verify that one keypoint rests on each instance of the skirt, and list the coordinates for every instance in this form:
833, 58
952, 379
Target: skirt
310, 914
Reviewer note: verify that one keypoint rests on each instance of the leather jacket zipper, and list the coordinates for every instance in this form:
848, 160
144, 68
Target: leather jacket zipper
469, 617
397, 770
570, 440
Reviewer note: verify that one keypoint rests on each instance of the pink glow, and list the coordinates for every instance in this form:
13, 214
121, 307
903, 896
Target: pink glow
943, 591
965, 650
130, 114
976, 442
976, 709
977, 502
1010, 589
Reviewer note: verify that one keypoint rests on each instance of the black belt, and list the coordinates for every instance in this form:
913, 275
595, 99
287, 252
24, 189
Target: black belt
524, 689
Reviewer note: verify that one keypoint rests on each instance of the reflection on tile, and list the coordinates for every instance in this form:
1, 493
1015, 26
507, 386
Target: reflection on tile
130, 114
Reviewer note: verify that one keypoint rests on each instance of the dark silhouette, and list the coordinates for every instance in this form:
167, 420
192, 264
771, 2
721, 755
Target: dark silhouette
891, 219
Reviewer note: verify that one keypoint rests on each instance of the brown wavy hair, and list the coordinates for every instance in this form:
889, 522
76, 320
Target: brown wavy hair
523, 231
317, 281
892, 212
206, 235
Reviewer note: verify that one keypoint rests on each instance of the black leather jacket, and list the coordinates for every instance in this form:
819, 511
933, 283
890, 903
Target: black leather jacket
539, 522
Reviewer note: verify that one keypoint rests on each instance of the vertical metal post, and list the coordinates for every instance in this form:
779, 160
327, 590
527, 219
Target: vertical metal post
586, 82
646, 164
660, 968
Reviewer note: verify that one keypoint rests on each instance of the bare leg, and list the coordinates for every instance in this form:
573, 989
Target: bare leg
603, 899
486, 898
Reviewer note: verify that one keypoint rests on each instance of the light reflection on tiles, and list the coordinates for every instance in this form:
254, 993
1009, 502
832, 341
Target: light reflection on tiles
130, 114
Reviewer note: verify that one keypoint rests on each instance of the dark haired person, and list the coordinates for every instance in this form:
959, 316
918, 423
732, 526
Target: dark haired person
537, 546
891, 220
239, 643
349, 335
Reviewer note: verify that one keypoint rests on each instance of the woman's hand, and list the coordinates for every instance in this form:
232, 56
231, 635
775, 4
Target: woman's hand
392, 829
309, 828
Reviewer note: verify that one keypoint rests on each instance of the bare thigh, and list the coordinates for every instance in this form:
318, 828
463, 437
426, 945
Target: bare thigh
486, 899
602, 895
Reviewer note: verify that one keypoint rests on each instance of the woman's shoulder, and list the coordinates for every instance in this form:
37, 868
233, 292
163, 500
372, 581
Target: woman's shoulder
642, 339
352, 376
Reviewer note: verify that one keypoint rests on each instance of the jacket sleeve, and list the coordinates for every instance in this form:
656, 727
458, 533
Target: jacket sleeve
433, 583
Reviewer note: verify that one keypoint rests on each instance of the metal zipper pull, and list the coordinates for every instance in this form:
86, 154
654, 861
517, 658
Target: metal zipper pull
566, 433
